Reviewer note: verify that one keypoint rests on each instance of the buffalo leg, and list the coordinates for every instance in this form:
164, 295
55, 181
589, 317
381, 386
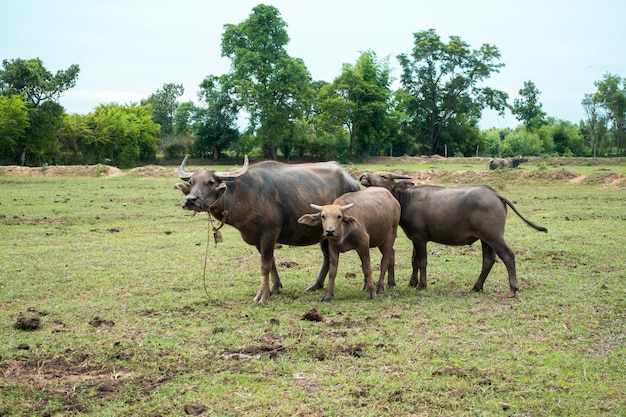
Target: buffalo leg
276, 284
387, 264
333, 259
508, 257
267, 264
366, 266
321, 276
489, 258
419, 262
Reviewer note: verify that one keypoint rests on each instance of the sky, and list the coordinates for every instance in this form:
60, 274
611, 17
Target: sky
128, 49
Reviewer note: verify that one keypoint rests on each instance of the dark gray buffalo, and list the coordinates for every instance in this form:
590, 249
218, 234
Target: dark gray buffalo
264, 201
452, 216
358, 221
507, 162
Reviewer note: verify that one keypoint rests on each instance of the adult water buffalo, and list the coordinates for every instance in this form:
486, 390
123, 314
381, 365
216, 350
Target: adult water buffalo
358, 221
452, 216
507, 162
264, 201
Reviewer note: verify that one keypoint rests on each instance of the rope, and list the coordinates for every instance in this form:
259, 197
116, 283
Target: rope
206, 257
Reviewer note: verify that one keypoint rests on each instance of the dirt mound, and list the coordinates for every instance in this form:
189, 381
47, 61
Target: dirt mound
152, 171
62, 170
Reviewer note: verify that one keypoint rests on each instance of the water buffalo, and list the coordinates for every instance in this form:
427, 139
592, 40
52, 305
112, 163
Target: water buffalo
358, 221
452, 216
264, 201
507, 162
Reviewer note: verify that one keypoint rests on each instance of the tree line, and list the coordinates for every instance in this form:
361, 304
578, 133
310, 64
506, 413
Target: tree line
435, 110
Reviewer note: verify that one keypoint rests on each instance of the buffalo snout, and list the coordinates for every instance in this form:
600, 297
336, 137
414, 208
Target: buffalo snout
330, 232
193, 202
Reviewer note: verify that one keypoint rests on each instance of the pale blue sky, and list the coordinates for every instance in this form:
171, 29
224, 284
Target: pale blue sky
127, 49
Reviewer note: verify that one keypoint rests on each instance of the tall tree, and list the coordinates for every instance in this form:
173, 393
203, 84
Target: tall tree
274, 88
527, 109
594, 129
611, 94
359, 99
164, 103
444, 80
40, 90
214, 127
34, 82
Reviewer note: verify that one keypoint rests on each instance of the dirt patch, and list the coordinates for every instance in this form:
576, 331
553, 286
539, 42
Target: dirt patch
99, 170
153, 171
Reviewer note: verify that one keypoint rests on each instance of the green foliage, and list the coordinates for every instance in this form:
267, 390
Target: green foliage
164, 104
611, 95
40, 90
527, 109
562, 137
443, 82
214, 126
273, 88
358, 100
123, 135
30, 79
14, 123
522, 142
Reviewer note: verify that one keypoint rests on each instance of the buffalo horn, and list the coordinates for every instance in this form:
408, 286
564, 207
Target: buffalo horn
316, 207
347, 206
231, 175
400, 177
184, 175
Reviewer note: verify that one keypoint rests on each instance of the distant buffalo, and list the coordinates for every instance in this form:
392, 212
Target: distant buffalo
507, 162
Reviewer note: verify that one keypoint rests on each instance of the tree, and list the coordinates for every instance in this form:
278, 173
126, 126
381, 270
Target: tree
34, 82
40, 90
444, 81
527, 109
611, 94
594, 130
74, 136
359, 99
164, 103
123, 135
214, 127
13, 125
271, 86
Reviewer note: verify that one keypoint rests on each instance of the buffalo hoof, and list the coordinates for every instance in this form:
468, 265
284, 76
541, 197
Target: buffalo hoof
420, 286
476, 288
380, 289
326, 299
262, 296
372, 297
314, 287
512, 294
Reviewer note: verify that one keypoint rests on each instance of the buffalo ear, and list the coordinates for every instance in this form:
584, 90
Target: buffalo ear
351, 221
185, 188
310, 219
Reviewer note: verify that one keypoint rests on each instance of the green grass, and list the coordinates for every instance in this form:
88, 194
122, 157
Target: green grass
121, 249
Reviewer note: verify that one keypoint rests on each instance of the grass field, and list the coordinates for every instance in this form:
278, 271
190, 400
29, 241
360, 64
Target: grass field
105, 310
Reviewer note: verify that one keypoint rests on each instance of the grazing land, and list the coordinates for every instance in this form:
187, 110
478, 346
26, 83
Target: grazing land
105, 309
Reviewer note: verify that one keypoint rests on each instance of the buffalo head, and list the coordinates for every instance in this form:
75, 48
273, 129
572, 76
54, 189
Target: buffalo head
387, 180
205, 186
332, 218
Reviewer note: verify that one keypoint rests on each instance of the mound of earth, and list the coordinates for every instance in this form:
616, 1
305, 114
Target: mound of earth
99, 170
